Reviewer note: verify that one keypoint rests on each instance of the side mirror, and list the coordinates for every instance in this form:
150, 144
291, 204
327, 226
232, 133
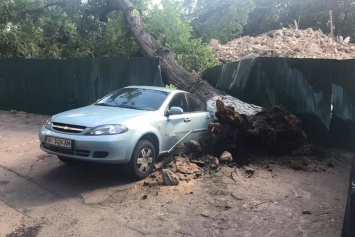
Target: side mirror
174, 110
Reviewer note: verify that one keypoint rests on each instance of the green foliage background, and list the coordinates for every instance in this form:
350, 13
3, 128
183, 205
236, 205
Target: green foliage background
168, 26
76, 28
273, 14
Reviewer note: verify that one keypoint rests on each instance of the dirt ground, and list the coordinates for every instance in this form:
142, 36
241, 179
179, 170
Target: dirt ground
271, 196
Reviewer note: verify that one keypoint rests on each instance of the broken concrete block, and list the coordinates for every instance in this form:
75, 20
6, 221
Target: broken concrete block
226, 157
169, 177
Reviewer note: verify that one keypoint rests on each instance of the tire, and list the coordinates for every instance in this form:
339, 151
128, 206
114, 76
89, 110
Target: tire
142, 160
67, 161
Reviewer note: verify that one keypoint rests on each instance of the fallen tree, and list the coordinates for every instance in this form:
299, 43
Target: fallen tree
172, 71
275, 127
149, 46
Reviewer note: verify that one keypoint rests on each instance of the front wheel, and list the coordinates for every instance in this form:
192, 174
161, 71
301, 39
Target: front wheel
142, 160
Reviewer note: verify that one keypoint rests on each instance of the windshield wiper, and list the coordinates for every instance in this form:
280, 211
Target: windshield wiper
128, 107
103, 104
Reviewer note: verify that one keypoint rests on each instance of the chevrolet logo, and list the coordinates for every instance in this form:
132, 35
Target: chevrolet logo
65, 128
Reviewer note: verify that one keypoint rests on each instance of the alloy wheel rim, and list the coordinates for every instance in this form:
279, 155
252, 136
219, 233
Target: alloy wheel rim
145, 160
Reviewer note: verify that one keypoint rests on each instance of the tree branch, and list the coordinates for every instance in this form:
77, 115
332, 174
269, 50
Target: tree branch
7, 8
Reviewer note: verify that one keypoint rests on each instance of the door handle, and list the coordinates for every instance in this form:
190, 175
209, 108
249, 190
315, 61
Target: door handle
186, 120
207, 117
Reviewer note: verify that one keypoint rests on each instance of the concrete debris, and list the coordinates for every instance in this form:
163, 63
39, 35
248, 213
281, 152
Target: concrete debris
192, 149
169, 177
226, 157
184, 166
291, 43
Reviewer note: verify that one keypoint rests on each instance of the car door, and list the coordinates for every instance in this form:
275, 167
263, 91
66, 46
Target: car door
178, 126
198, 115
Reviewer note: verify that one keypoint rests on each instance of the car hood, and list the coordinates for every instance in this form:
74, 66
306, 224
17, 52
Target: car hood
95, 115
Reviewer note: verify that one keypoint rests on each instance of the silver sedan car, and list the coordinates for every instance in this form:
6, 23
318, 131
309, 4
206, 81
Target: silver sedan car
131, 126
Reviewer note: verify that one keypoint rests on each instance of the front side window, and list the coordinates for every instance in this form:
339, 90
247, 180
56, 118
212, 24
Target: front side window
195, 105
179, 100
134, 98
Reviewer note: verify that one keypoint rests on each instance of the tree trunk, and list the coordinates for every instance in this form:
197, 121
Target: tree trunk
173, 72
171, 69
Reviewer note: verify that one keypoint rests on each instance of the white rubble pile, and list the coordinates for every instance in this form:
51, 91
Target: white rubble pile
285, 42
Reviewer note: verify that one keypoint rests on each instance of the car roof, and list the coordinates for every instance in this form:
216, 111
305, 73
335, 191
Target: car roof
156, 88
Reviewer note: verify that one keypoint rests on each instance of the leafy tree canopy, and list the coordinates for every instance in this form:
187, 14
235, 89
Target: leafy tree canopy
166, 24
61, 29
77, 28
273, 14
217, 19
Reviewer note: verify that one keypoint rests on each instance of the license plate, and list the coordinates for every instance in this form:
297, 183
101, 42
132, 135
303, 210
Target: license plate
60, 142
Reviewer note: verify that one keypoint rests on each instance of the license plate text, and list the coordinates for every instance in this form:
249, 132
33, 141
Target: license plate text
59, 142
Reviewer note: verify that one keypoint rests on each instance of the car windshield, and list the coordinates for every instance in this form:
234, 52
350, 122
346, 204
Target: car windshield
134, 98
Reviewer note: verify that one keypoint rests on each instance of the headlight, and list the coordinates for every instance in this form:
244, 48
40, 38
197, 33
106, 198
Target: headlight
107, 130
48, 123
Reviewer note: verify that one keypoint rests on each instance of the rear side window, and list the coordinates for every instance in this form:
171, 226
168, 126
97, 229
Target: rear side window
195, 105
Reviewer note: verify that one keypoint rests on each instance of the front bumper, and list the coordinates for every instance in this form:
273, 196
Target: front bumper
115, 149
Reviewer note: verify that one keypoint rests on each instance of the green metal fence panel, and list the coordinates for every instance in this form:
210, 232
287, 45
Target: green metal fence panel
343, 89
305, 86
53, 85
320, 91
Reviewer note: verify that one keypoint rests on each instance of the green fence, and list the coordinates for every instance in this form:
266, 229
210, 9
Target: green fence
54, 85
308, 87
